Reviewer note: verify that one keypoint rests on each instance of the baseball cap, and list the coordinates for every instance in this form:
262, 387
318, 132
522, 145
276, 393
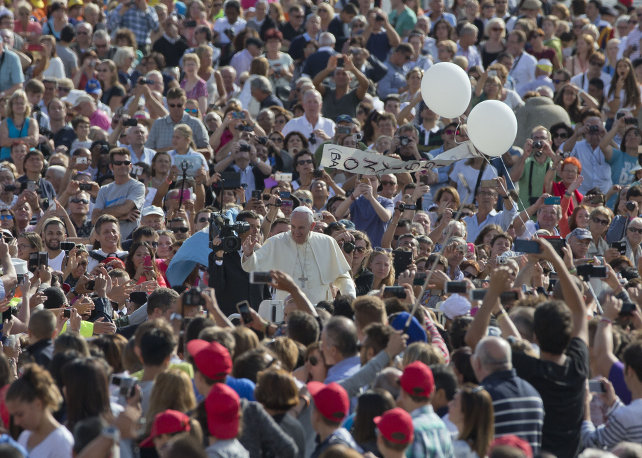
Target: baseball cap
74, 3
531, 5
211, 358
415, 331
545, 65
417, 380
93, 87
580, 233
454, 306
152, 210
222, 406
330, 400
344, 118
395, 425
82, 99
167, 422
513, 441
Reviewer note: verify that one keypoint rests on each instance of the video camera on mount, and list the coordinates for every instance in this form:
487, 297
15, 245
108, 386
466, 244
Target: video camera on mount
228, 232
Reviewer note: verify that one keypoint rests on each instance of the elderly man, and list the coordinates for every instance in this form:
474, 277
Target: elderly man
548, 216
261, 90
82, 44
317, 61
517, 405
466, 45
102, 44
531, 167
579, 240
314, 126
160, 136
486, 199
154, 217
314, 260
137, 137
595, 169
395, 79
342, 99
86, 106
339, 345
138, 17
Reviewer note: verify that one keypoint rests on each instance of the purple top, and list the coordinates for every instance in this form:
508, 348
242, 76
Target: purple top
199, 90
616, 377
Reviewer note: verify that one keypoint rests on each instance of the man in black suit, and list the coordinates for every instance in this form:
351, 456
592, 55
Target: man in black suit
340, 25
229, 280
317, 61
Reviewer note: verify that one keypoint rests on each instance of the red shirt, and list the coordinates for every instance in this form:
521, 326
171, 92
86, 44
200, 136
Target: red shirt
559, 189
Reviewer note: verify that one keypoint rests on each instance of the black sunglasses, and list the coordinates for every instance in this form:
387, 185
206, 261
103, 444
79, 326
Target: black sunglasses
80, 201
182, 230
121, 162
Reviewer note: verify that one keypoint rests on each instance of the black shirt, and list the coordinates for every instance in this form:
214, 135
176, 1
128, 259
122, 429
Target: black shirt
65, 137
562, 391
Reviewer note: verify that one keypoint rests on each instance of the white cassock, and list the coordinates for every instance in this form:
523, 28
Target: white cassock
315, 265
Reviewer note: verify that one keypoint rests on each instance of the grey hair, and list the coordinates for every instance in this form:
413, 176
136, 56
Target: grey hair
494, 362
101, 34
327, 39
261, 83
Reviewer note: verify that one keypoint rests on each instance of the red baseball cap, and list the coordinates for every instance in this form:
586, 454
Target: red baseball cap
396, 426
417, 380
513, 441
222, 406
330, 400
167, 422
211, 358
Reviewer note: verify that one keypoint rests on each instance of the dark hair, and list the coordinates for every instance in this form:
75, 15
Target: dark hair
161, 298
377, 336
460, 359
112, 347
295, 133
553, 324
302, 327
156, 346
632, 358
86, 431
341, 333
86, 380
35, 383
142, 231
249, 364
129, 262
445, 379
370, 404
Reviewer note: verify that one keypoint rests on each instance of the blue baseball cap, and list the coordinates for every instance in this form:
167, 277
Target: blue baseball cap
416, 332
93, 87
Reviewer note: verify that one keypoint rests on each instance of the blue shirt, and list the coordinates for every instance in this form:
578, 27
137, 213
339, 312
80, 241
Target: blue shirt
621, 166
394, 80
10, 70
343, 369
366, 219
142, 23
502, 218
432, 438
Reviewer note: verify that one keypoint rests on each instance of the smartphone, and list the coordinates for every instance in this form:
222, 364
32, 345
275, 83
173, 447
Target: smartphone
32, 264
631, 121
84, 186
343, 130
138, 297
401, 260
620, 246
420, 279
340, 62
557, 242
317, 174
147, 262
67, 246
260, 277
591, 271
394, 291
43, 258
456, 287
244, 309
508, 296
595, 386
81, 160
489, 183
627, 309
257, 195
189, 24
31, 185
526, 246
478, 294
131, 122
553, 200
66, 313
90, 285
285, 195
238, 115
410, 207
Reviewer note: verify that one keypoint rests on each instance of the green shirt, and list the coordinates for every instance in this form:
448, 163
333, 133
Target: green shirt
403, 22
533, 174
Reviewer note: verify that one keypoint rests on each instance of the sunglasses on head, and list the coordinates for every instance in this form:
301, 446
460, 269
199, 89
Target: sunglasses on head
121, 162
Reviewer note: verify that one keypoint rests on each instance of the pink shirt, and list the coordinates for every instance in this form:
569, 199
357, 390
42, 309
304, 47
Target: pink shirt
100, 119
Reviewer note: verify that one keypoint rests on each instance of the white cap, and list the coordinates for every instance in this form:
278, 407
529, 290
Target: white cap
20, 266
303, 209
456, 305
152, 210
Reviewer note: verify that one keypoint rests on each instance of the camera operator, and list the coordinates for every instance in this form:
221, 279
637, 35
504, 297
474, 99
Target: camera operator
531, 167
245, 161
230, 281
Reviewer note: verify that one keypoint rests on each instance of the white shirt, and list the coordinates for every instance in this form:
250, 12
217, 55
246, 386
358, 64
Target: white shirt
58, 444
301, 124
582, 81
595, 170
523, 70
56, 263
467, 192
632, 39
222, 24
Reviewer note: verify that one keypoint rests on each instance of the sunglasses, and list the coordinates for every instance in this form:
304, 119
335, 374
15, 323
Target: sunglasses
121, 162
191, 110
557, 81
175, 105
182, 230
603, 222
305, 161
80, 201
560, 135
154, 244
449, 131
468, 275
388, 183
313, 360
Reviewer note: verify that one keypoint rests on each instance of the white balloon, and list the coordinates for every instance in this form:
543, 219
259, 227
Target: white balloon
445, 88
492, 127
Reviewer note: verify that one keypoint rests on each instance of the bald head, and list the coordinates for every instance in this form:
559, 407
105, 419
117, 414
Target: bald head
494, 354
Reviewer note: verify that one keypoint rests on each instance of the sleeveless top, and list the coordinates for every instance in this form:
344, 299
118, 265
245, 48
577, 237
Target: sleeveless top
5, 153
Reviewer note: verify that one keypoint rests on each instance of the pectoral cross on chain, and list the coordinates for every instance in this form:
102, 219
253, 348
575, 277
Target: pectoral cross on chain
302, 279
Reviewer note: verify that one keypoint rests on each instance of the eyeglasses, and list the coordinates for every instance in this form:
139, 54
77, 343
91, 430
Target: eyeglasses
154, 244
560, 135
182, 230
450, 131
558, 81
80, 32
603, 222
191, 110
636, 229
276, 140
6, 217
175, 105
468, 275
388, 183
80, 201
121, 162
304, 162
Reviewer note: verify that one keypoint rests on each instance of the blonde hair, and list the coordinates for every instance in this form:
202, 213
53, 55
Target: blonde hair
390, 278
185, 131
19, 94
172, 390
193, 57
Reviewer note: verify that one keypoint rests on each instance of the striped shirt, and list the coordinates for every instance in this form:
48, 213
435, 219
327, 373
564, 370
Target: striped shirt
624, 423
517, 405
432, 439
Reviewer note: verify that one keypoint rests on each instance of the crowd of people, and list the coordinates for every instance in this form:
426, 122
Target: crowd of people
182, 277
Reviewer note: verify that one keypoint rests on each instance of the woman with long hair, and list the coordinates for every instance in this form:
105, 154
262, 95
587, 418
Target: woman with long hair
56, 20
568, 98
18, 126
584, 49
161, 166
380, 264
206, 72
141, 264
113, 91
195, 87
124, 59
488, 88
371, 404
172, 390
184, 150
166, 240
363, 278
31, 401
471, 410
49, 65
442, 31
305, 165
495, 30
624, 91
294, 142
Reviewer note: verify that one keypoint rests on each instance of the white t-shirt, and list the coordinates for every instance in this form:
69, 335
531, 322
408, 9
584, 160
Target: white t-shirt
56, 263
194, 160
467, 193
58, 444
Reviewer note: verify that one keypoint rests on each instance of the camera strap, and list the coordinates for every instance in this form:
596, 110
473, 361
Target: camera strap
530, 177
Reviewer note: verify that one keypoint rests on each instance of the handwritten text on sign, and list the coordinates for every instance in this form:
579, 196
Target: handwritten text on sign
369, 163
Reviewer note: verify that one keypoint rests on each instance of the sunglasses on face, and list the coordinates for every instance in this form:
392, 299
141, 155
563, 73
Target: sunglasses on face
388, 183
468, 275
6, 217
304, 162
80, 201
175, 105
603, 222
558, 81
635, 229
560, 135
191, 110
121, 162
182, 230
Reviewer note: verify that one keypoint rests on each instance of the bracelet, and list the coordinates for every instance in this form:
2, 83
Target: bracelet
606, 320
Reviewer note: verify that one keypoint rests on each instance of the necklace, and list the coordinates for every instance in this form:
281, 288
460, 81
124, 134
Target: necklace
302, 278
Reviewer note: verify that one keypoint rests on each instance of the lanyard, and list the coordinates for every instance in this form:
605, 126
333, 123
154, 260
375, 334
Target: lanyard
515, 63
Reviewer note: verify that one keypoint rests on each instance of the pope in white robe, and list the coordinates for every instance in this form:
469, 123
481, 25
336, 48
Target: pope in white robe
315, 261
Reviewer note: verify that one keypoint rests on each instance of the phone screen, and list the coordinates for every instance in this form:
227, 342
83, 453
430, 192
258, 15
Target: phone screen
244, 309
